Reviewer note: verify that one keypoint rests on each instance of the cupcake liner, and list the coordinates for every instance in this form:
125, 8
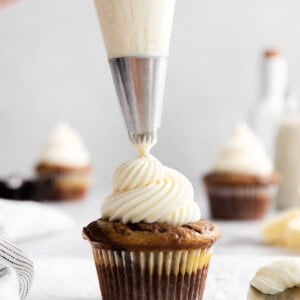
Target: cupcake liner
68, 186
248, 202
161, 275
69, 181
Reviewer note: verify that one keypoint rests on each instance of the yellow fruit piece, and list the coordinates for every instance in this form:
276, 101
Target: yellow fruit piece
274, 231
291, 238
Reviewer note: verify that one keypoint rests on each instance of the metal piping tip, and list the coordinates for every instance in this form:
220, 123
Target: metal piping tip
149, 138
140, 83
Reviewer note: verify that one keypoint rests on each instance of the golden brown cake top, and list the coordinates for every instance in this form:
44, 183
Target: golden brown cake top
44, 168
225, 179
151, 236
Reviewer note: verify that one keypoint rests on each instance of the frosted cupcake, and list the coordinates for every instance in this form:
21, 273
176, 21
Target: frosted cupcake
242, 183
66, 163
150, 242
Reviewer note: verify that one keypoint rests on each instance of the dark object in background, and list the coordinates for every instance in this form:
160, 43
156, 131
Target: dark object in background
19, 188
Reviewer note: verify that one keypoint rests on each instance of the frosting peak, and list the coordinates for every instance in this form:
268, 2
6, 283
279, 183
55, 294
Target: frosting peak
147, 191
64, 147
244, 153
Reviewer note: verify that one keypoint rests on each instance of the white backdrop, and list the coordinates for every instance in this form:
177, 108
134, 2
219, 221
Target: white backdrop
53, 66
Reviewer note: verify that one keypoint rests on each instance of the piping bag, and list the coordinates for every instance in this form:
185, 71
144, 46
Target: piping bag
137, 36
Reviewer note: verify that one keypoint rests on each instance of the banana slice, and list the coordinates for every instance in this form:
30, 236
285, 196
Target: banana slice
291, 237
274, 231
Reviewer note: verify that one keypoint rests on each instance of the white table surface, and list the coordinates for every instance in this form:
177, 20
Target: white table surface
237, 256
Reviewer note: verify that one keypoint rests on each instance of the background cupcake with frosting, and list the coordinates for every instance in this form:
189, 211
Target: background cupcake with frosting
65, 162
242, 182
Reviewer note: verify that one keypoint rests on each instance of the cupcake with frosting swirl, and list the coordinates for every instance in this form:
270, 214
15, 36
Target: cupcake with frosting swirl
65, 162
150, 242
243, 181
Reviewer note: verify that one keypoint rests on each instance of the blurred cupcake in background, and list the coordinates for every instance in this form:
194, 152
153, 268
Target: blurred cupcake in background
66, 162
242, 183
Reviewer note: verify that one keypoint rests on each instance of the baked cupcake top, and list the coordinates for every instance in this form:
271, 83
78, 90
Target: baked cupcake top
243, 154
64, 148
153, 236
144, 190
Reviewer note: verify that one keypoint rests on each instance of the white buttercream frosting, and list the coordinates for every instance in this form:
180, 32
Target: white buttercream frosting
278, 276
144, 146
146, 191
136, 27
64, 147
244, 153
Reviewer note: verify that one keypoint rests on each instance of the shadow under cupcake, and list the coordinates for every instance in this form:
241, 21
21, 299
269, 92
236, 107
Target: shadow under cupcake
242, 183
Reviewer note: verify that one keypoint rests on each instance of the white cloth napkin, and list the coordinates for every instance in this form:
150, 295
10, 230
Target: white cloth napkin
22, 221
12, 258
9, 286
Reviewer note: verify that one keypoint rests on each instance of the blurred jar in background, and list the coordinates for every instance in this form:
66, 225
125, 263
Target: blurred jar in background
287, 155
267, 113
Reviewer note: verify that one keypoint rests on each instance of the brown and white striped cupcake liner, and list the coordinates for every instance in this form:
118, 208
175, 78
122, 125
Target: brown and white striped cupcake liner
12, 257
161, 275
245, 203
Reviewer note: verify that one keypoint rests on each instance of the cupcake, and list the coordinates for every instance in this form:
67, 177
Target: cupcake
150, 242
242, 183
66, 163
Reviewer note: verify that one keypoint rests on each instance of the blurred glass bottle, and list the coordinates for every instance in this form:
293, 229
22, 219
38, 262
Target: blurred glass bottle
287, 155
266, 115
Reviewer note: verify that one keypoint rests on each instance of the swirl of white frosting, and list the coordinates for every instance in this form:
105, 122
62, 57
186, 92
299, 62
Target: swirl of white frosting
244, 153
147, 191
278, 276
64, 147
